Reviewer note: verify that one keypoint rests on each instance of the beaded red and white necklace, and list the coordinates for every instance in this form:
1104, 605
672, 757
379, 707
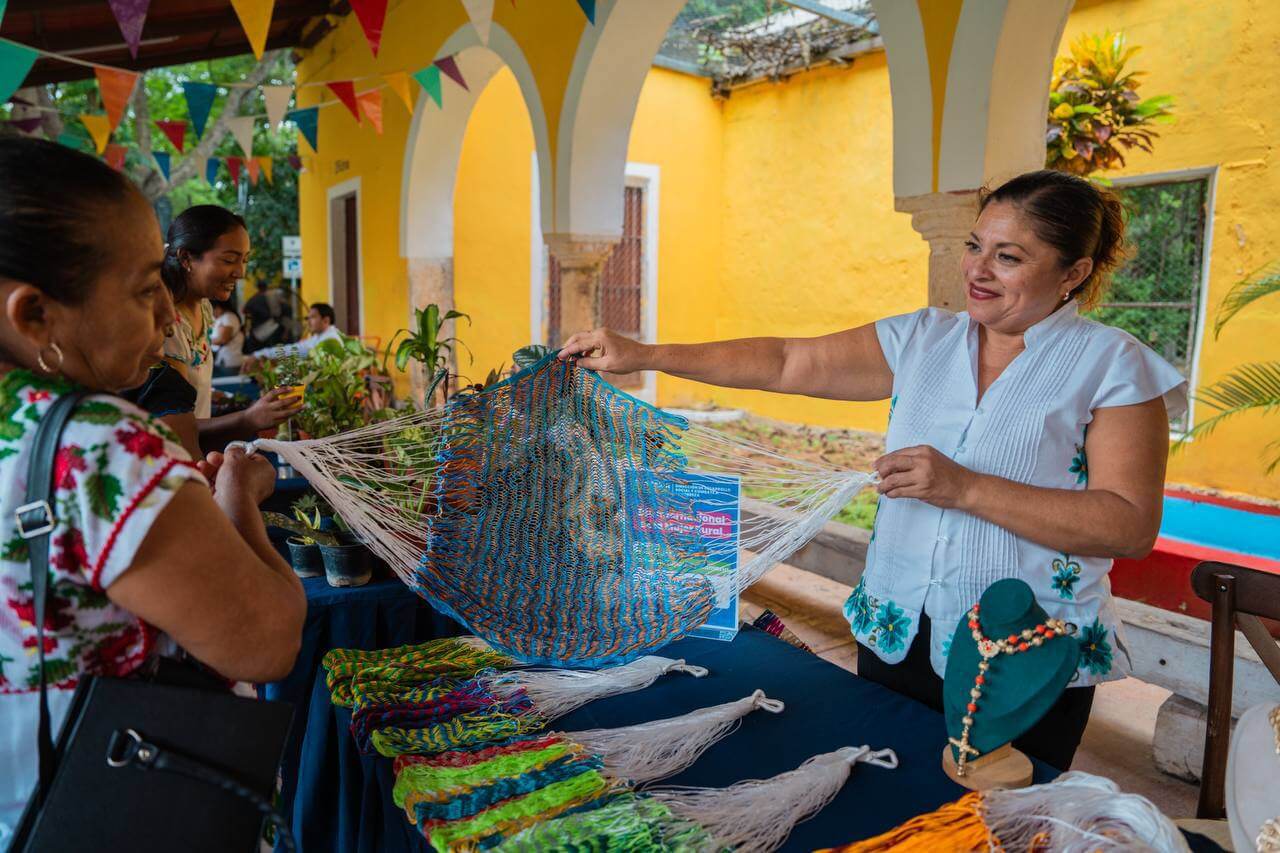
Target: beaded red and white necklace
988, 649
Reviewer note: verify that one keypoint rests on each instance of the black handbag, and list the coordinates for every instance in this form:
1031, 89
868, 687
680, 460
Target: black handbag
142, 766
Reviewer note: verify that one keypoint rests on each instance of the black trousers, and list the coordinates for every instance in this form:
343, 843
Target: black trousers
1053, 739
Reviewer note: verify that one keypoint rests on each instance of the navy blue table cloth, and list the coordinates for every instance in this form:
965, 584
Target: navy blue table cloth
339, 800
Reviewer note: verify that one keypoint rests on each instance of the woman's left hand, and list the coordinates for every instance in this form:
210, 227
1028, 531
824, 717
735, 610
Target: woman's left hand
923, 473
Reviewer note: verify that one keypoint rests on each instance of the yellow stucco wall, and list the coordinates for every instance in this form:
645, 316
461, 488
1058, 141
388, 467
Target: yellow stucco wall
776, 213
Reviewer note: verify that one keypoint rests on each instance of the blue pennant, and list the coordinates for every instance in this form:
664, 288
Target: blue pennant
162, 160
308, 121
199, 103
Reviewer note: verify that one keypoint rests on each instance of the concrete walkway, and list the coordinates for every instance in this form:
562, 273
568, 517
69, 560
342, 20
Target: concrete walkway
1117, 743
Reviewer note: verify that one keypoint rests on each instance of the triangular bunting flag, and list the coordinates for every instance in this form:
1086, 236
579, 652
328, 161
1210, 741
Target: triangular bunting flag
242, 129
130, 15
449, 66
277, 98
346, 92
233, 166
116, 87
588, 9
429, 79
27, 125
307, 121
176, 131
481, 14
266, 164
162, 160
3, 3
211, 170
252, 166
76, 141
199, 102
255, 17
371, 14
295, 161
15, 62
99, 128
115, 156
371, 105
399, 83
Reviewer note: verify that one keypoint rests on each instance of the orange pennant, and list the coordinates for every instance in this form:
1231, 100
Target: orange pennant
265, 164
254, 167
115, 156
371, 106
399, 83
116, 87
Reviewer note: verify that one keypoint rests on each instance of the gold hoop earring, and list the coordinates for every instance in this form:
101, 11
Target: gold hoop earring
57, 350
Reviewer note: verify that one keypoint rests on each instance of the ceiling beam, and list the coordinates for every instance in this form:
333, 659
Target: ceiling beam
61, 41
53, 71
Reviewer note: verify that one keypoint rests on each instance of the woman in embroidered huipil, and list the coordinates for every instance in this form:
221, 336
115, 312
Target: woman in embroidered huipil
142, 555
1024, 440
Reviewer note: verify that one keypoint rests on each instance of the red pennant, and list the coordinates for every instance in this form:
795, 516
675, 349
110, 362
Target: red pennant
295, 161
449, 66
114, 155
346, 92
176, 131
233, 166
371, 14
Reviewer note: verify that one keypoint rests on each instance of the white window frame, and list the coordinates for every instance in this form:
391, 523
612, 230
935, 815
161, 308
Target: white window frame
1202, 299
348, 187
648, 177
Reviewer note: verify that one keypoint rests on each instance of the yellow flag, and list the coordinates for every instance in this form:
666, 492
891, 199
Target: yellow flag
265, 164
255, 17
99, 127
399, 83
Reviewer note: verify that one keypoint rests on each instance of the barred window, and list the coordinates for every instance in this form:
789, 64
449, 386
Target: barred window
1155, 295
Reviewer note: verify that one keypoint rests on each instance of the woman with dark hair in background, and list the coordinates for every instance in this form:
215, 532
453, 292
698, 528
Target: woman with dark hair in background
1024, 440
136, 527
204, 259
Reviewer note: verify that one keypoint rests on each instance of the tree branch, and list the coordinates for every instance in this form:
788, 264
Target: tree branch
186, 168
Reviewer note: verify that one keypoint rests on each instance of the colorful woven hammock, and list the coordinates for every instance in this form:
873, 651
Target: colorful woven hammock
564, 521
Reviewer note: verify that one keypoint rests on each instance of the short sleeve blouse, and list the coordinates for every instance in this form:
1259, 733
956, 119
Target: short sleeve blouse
115, 471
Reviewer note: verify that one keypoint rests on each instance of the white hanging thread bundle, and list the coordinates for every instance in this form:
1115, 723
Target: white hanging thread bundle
1078, 813
758, 815
556, 692
660, 749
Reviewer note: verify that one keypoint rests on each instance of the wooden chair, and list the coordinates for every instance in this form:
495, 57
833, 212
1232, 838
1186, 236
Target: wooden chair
1238, 596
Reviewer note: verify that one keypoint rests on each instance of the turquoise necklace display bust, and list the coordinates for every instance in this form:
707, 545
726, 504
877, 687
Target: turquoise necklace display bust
1006, 669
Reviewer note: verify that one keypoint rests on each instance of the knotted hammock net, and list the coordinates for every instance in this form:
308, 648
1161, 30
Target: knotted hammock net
565, 521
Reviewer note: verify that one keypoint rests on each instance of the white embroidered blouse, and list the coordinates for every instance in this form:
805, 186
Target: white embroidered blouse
1029, 427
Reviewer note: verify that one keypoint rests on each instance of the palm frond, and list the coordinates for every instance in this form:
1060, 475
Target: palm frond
1248, 290
1248, 388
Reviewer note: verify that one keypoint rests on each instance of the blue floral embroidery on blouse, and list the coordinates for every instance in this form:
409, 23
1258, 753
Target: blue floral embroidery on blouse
1066, 572
1095, 651
891, 627
1080, 462
882, 623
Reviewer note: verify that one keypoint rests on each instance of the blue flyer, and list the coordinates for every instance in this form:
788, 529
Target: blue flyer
708, 510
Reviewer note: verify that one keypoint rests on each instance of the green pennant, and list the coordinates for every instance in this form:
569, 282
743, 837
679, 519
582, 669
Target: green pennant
429, 79
15, 62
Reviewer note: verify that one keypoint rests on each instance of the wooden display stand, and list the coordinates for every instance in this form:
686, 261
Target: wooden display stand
1003, 767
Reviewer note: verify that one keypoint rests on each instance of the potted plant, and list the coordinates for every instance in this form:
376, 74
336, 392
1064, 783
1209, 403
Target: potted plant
304, 545
426, 345
347, 561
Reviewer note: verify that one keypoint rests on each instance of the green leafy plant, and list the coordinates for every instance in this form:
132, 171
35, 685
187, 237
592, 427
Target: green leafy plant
424, 344
1095, 114
337, 389
1251, 387
302, 531
530, 355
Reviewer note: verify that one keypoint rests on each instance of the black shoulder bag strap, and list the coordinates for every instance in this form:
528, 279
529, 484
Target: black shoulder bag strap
36, 521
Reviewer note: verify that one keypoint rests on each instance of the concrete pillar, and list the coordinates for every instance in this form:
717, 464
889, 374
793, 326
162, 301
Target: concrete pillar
430, 281
580, 261
944, 220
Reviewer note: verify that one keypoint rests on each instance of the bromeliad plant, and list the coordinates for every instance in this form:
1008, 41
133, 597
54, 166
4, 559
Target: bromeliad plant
1095, 114
425, 345
1250, 387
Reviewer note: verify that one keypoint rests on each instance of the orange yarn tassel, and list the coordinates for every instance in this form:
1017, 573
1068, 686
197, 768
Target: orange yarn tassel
955, 828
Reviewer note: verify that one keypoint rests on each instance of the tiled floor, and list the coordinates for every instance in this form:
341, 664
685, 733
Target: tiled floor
1117, 743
